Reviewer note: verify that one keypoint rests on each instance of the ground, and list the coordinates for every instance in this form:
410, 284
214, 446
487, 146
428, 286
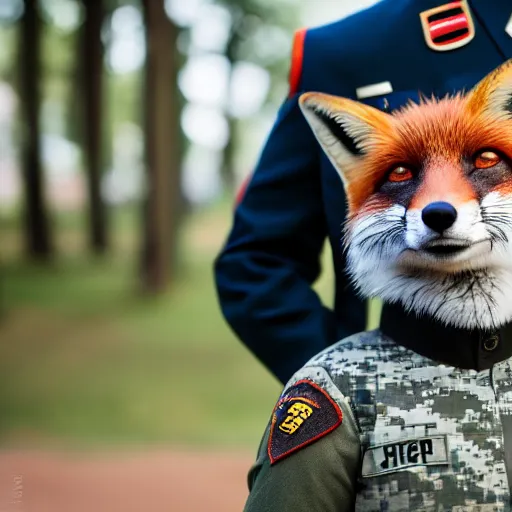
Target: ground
156, 480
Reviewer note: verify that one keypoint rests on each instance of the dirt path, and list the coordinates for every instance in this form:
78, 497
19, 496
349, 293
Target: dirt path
169, 481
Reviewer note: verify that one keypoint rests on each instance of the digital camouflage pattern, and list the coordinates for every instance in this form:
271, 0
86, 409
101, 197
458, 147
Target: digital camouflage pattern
432, 437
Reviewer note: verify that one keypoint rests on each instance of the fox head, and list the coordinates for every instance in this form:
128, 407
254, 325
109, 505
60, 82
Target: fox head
429, 192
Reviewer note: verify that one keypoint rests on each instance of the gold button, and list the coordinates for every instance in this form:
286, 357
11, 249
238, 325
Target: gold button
491, 343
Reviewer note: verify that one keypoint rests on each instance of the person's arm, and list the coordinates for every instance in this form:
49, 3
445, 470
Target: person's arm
272, 256
265, 271
319, 476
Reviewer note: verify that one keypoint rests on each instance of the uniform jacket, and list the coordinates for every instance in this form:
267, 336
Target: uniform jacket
295, 199
414, 433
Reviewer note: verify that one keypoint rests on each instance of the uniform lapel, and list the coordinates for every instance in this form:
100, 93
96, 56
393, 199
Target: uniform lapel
494, 15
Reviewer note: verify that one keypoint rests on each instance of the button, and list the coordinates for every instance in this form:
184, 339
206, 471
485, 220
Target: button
491, 342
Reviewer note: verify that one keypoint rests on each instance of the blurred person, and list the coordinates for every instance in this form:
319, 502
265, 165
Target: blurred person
384, 56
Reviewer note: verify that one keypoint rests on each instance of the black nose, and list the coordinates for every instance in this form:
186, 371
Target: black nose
439, 216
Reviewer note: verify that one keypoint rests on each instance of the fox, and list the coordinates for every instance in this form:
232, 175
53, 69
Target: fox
415, 416
429, 193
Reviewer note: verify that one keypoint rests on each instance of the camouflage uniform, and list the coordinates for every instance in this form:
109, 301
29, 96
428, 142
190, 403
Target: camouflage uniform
415, 435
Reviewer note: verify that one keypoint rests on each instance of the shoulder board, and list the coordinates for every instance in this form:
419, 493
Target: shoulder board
304, 414
297, 60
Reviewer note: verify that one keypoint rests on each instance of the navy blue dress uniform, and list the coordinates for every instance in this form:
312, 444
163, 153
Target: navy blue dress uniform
382, 56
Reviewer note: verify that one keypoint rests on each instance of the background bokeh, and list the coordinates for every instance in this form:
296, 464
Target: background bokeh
111, 338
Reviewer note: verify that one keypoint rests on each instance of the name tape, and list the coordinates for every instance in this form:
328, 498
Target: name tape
398, 455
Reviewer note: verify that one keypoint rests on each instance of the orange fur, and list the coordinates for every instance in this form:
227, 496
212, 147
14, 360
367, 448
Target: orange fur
434, 137
479, 96
435, 134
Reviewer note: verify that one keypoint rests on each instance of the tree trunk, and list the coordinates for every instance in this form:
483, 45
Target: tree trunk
36, 224
92, 48
163, 154
228, 169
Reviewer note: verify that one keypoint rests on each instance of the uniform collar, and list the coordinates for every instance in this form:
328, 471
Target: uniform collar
493, 5
462, 348
493, 15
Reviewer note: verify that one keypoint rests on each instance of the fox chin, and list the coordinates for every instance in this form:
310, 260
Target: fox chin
429, 192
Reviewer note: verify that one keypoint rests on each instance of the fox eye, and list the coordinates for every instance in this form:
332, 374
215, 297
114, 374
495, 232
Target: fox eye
486, 159
399, 174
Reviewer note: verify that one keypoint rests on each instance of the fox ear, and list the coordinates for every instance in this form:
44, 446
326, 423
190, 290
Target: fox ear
344, 128
494, 93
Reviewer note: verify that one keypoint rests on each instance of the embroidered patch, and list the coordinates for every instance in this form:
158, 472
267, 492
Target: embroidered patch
448, 26
402, 454
304, 414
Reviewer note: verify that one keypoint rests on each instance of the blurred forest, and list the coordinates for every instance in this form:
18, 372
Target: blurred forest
85, 118
126, 128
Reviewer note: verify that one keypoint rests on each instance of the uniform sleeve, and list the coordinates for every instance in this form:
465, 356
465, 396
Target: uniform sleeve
320, 477
271, 258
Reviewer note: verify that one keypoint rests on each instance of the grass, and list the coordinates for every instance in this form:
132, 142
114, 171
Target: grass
85, 359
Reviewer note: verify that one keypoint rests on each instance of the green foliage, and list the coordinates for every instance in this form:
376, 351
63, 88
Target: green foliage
85, 359
8, 45
60, 54
261, 33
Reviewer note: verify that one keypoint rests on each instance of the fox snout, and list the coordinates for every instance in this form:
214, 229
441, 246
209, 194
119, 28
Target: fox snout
439, 216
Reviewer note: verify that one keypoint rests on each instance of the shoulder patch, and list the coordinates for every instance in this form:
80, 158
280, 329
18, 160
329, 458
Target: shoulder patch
304, 414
